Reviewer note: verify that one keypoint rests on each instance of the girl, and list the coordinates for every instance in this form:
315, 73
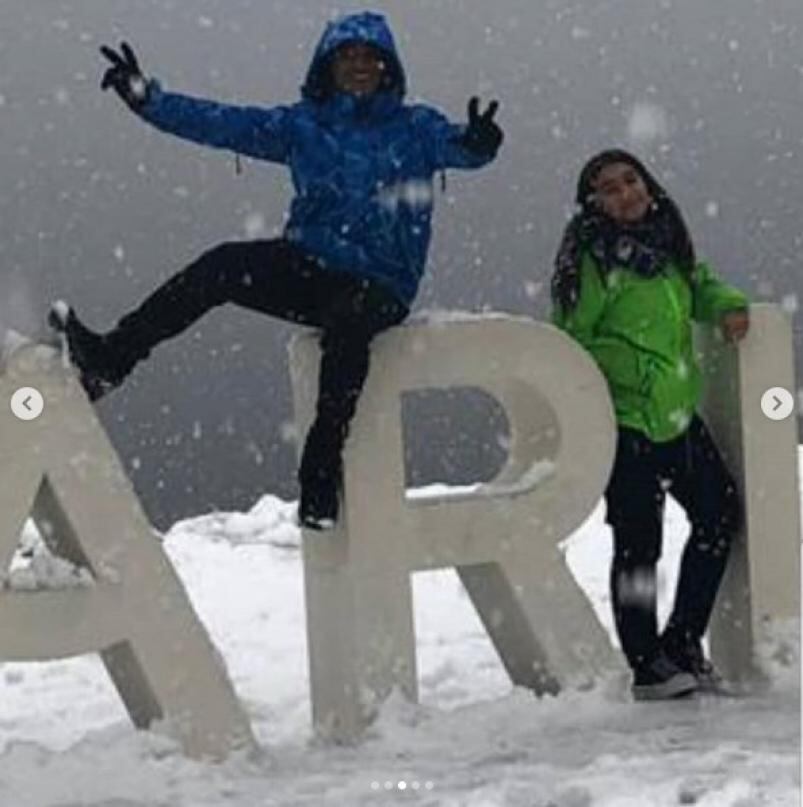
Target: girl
627, 286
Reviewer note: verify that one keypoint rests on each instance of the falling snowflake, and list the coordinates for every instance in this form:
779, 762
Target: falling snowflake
646, 122
254, 225
289, 431
414, 194
638, 588
680, 418
532, 289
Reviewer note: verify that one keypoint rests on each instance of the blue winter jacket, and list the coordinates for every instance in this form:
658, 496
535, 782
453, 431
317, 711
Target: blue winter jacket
362, 166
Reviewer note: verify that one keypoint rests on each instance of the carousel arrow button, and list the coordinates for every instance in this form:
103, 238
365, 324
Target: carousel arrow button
777, 403
27, 403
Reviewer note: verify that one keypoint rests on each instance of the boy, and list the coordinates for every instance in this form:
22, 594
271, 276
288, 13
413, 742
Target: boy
354, 247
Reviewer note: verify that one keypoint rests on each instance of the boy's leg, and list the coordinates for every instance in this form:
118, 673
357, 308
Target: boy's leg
635, 503
270, 276
705, 489
354, 318
273, 277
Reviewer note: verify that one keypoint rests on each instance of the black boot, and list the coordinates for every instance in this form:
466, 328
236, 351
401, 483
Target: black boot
686, 651
320, 473
320, 500
662, 679
100, 367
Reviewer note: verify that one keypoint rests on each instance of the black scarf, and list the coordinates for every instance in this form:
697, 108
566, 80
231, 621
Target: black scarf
645, 247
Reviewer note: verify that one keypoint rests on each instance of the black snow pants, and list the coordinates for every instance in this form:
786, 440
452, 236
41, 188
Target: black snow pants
691, 469
276, 278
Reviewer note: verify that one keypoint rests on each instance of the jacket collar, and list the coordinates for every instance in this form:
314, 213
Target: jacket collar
352, 109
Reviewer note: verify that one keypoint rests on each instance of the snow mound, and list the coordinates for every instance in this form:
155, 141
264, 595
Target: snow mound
472, 741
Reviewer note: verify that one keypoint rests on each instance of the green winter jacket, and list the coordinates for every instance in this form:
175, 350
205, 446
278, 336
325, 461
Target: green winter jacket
639, 331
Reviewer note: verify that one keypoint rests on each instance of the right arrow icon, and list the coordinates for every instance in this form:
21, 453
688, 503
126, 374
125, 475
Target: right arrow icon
777, 403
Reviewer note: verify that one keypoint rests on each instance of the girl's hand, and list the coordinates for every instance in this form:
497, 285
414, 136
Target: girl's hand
735, 324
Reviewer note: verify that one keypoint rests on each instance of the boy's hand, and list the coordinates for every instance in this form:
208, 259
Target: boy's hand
125, 76
735, 324
482, 135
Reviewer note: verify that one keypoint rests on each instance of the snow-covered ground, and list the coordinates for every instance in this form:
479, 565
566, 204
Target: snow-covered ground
472, 742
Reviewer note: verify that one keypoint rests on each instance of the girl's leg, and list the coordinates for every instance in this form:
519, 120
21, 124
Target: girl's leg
354, 318
635, 501
704, 487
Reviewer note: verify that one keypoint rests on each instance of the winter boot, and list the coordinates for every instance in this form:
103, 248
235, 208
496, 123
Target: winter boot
320, 500
662, 679
687, 653
319, 504
100, 368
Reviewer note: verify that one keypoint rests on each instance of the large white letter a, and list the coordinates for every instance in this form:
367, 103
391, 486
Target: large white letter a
61, 470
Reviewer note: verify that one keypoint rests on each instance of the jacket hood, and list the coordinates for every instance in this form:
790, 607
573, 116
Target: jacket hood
366, 27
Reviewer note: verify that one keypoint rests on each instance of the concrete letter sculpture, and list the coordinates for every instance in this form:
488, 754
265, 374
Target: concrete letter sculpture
61, 470
762, 581
502, 538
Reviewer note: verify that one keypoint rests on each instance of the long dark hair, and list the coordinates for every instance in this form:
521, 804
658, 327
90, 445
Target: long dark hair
660, 236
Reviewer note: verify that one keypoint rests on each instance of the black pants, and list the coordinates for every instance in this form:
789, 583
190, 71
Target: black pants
276, 278
691, 468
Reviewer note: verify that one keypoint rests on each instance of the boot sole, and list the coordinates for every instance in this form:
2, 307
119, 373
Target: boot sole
717, 688
675, 687
317, 524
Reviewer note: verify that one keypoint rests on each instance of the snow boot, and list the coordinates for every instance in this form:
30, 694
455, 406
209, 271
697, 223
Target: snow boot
662, 679
100, 369
687, 653
320, 501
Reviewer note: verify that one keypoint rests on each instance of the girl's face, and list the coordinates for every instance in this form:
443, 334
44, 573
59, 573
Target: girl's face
357, 69
621, 193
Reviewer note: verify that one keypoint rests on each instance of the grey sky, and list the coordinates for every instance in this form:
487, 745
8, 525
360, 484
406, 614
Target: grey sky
97, 208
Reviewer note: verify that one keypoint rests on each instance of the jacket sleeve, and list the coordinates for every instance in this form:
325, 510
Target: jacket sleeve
252, 131
441, 138
615, 356
713, 297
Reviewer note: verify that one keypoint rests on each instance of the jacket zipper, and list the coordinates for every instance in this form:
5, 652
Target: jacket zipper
673, 300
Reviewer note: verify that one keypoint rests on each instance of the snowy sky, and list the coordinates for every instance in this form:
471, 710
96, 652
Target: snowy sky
96, 208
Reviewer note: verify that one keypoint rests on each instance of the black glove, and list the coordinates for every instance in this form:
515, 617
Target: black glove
483, 135
125, 76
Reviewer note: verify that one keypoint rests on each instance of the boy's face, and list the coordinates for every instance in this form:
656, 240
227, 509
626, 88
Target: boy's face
621, 192
357, 68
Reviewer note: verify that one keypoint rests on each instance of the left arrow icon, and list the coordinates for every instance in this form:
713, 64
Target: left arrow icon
27, 403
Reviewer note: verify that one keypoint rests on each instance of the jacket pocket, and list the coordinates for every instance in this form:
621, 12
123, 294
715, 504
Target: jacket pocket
621, 365
670, 400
